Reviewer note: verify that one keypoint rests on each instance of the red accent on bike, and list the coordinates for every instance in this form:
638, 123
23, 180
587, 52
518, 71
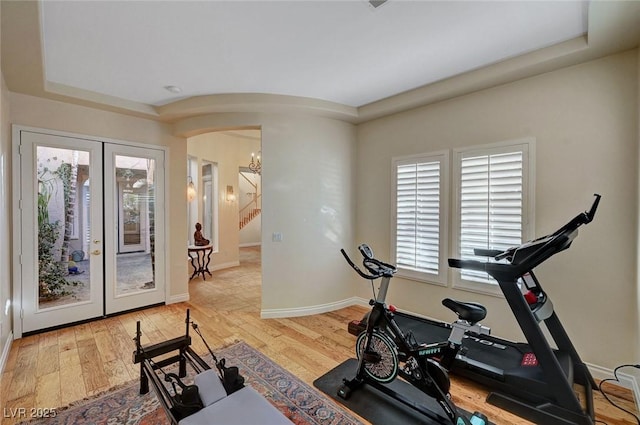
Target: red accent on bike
392, 308
531, 297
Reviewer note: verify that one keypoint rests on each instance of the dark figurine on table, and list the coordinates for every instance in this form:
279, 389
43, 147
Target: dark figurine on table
198, 239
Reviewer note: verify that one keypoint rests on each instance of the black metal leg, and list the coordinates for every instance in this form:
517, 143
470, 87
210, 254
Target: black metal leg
182, 365
144, 381
206, 267
195, 267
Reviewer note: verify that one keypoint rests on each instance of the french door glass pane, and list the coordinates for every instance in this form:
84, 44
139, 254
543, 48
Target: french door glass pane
135, 177
63, 222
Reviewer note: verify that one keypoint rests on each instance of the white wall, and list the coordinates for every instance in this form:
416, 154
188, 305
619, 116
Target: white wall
584, 119
5, 221
308, 197
251, 233
636, 372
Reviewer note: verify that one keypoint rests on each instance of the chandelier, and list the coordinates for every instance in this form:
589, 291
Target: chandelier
255, 165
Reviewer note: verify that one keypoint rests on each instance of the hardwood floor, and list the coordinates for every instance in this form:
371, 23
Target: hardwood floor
56, 368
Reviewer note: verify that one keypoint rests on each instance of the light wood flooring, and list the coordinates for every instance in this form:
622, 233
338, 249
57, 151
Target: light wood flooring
56, 368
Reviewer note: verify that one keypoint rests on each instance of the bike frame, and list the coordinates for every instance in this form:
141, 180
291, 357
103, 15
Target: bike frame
381, 318
444, 351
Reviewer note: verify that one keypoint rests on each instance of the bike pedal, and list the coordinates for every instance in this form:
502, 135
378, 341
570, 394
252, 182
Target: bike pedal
478, 419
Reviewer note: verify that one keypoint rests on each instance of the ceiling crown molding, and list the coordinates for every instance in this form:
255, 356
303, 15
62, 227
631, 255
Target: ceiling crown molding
613, 27
255, 102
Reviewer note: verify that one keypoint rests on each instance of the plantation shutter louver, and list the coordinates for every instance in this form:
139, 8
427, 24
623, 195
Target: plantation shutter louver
491, 205
418, 216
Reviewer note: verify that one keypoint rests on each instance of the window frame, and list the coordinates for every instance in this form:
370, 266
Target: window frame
443, 157
527, 147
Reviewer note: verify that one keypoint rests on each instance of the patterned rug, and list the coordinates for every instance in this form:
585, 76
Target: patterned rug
299, 402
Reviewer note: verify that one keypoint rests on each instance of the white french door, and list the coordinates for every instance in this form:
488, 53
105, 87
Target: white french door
134, 188
80, 202
53, 171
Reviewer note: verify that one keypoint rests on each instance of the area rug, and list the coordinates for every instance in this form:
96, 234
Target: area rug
299, 402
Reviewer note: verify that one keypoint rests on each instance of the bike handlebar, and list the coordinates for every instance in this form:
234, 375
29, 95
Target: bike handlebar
354, 267
377, 268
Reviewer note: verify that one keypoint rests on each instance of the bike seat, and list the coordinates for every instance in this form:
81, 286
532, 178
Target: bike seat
471, 312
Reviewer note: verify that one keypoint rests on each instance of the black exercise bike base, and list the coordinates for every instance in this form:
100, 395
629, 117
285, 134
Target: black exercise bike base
377, 407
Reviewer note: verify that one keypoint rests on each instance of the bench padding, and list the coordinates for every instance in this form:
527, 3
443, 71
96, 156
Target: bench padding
210, 387
243, 407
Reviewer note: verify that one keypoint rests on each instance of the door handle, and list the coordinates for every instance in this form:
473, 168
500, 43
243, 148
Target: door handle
96, 252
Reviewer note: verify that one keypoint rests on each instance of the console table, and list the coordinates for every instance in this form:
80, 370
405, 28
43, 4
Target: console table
200, 257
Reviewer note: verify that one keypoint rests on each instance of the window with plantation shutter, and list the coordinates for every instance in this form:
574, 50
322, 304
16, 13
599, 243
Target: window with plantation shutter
492, 199
418, 227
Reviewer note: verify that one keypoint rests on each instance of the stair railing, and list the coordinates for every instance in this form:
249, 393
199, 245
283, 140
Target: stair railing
250, 211
253, 208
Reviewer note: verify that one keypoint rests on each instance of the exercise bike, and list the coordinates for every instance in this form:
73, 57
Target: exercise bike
385, 352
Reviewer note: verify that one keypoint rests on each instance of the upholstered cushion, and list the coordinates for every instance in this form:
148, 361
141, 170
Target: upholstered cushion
210, 387
244, 407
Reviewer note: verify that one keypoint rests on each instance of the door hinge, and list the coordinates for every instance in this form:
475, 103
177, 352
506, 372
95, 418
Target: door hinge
21, 313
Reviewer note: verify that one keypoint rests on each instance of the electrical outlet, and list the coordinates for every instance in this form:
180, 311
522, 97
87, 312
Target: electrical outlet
276, 237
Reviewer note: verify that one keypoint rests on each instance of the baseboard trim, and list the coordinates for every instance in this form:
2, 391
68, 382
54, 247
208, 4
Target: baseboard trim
625, 380
225, 265
178, 298
600, 373
361, 302
635, 387
5, 351
250, 244
278, 313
